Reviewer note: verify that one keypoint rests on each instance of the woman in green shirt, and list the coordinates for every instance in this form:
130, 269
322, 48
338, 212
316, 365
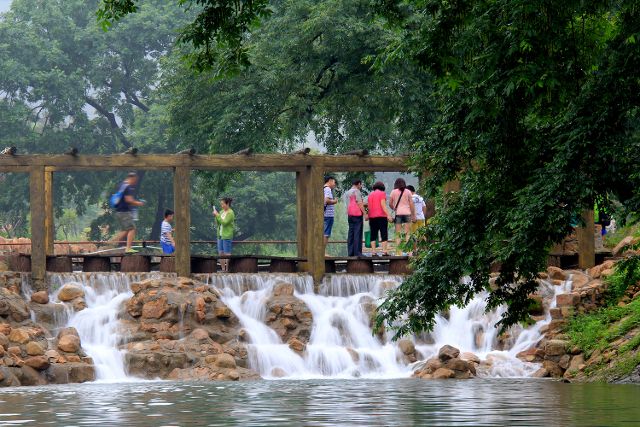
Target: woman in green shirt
225, 223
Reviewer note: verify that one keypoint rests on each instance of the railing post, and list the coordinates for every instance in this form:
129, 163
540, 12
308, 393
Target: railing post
49, 229
315, 223
38, 244
586, 241
182, 209
302, 194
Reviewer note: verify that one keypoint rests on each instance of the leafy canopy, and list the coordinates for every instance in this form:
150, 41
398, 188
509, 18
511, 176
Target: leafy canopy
537, 118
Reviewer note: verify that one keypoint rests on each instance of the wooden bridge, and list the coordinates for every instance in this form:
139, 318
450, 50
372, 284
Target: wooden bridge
310, 171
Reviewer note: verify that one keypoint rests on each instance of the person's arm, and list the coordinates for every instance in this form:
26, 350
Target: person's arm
385, 208
132, 201
424, 208
360, 203
170, 237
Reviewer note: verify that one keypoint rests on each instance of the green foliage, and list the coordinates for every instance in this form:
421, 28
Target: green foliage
626, 274
216, 34
537, 116
598, 330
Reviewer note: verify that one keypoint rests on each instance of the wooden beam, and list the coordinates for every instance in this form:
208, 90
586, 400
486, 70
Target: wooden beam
182, 209
49, 229
38, 248
302, 192
315, 224
257, 162
586, 241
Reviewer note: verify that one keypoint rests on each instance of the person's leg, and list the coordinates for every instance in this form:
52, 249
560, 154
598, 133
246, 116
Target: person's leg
407, 231
131, 234
227, 251
328, 226
220, 252
398, 228
373, 234
384, 236
350, 236
359, 225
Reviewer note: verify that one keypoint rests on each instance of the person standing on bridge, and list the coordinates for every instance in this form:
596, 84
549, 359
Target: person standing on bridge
402, 203
379, 217
126, 209
355, 213
329, 209
225, 221
166, 234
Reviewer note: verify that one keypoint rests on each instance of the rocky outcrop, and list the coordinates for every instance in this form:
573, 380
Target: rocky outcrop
447, 364
287, 315
180, 329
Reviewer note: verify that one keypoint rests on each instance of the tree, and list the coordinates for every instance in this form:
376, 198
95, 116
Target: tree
309, 76
537, 118
70, 84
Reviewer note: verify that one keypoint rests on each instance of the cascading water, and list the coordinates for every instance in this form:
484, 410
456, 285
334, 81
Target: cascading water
342, 343
97, 324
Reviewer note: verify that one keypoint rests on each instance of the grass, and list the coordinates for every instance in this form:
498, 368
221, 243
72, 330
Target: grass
612, 239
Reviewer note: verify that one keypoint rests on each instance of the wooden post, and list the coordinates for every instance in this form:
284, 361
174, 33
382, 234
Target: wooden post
182, 200
38, 244
315, 223
49, 233
302, 188
586, 243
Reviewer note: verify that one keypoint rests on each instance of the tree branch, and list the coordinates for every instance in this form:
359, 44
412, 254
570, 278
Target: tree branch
112, 120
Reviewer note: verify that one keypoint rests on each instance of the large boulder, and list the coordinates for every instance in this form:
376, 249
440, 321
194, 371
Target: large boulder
69, 343
69, 292
40, 297
287, 315
13, 308
448, 352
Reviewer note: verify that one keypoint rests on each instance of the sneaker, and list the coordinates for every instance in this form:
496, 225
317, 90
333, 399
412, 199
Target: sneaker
131, 251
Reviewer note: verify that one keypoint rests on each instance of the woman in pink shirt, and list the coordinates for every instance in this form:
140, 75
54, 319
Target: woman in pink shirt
402, 203
379, 217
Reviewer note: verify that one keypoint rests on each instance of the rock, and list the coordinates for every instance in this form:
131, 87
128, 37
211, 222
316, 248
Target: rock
297, 345
5, 329
470, 357
556, 273
553, 368
564, 361
200, 335
70, 292
29, 376
52, 355
448, 352
19, 335
40, 297
567, 300
577, 363
34, 349
68, 331
39, 363
283, 289
620, 247
555, 348
155, 309
13, 307
4, 341
79, 304
81, 372
406, 347
225, 360
579, 280
442, 373
278, 373
69, 343
222, 312
540, 373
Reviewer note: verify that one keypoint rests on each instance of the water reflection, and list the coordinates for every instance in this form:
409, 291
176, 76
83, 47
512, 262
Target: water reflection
405, 402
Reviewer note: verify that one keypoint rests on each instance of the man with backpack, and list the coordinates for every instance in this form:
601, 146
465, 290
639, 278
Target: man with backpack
125, 204
356, 214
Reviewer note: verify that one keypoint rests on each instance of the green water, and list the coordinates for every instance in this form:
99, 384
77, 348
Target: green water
406, 402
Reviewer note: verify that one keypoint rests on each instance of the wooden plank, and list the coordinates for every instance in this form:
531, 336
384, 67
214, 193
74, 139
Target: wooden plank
182, 209
38, 248
49, 230
302, 189
265, 162
315, 224
586, 241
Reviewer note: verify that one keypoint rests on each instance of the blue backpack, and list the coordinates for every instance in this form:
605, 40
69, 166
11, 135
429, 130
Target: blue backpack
116, 197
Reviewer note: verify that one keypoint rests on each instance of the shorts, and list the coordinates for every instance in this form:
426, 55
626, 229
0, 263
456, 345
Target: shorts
379, 226
224, 246
402, 219
328, 225
126, 220
416, 225
167, 248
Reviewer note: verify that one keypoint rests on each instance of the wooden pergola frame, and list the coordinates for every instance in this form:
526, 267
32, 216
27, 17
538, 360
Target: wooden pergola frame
309, 169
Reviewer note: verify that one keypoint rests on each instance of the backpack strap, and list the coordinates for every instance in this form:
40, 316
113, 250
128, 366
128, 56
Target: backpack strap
399, 198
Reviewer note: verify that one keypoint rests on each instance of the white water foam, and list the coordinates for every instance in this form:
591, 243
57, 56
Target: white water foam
97, 324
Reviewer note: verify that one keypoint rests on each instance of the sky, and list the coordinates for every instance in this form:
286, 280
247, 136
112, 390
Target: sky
4, 5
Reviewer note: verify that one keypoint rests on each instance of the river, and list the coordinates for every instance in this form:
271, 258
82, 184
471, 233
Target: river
399, 402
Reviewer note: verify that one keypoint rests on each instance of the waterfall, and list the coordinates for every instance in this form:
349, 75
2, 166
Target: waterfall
342, 344
97, 324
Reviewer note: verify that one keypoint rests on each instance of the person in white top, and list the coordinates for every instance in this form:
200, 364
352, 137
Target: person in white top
421, 209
